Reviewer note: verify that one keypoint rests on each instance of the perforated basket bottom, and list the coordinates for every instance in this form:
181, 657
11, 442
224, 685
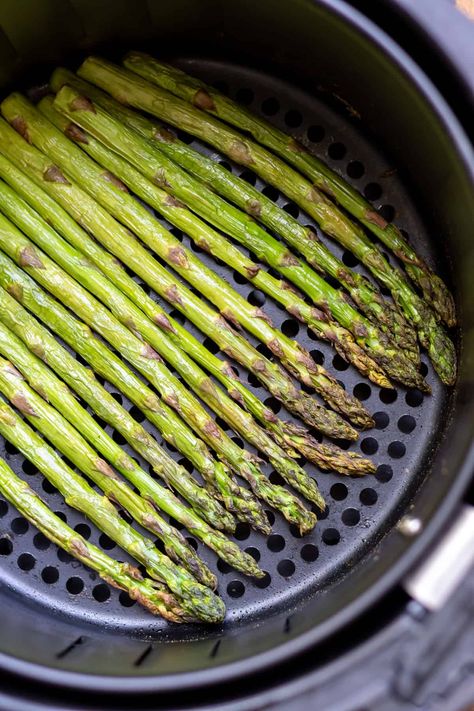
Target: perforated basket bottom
359, 511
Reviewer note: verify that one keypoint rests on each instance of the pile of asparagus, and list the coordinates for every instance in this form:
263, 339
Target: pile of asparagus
71, 168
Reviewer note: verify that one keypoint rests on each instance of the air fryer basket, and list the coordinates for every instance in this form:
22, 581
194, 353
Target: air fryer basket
332, 79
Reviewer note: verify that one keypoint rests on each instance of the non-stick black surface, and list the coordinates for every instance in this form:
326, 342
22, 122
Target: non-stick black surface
360, 511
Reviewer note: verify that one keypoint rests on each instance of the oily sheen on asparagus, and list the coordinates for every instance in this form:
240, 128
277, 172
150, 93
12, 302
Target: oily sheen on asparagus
232, 305
303, 239
35, 339
197, 600
71, 170
291, 437
152, 595
162, 171
86, 274
25, 290
66, 439
122, 243
221, 248
55, 280
141, 94
209, 99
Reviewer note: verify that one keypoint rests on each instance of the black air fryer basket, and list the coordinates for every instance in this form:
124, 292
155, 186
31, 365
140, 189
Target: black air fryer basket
373, 609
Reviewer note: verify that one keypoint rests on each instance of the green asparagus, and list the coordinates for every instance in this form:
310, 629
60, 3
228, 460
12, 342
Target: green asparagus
123, 245
152, 595
70, 442
106, 364
208, 99
160, 169
195, 599
150, 364
87, 274
82, 380
141, 94
289, 436
221, 248
232, 305
144, 358
367, 298
75, 264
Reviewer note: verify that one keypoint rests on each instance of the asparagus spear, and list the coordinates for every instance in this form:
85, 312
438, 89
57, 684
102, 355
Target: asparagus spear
150, 364
147, 362
208, 99
36, 262
161, 170
87, 274
152, 595
125, 208
104, 362
182, 186
367, 298
290, 437
160, 103
195, 599
71, 443
40, 341
123, 245
41, 379
220, 247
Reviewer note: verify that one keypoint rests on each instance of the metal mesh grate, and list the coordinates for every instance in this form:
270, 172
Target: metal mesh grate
359, 511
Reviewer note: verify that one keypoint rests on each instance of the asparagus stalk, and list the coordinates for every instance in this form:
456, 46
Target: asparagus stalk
47, 273
123, 245
367, 298
208, 99
68, 441
235, 308
73, 262
86, 273
220, 247
195, 599
160, 169
39, 340
153, 163
141, 94
149, 363
146, 361
104, 362
291, 438
152, 595
41, 379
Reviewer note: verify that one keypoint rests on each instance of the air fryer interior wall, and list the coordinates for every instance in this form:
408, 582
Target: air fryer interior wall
374, 101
